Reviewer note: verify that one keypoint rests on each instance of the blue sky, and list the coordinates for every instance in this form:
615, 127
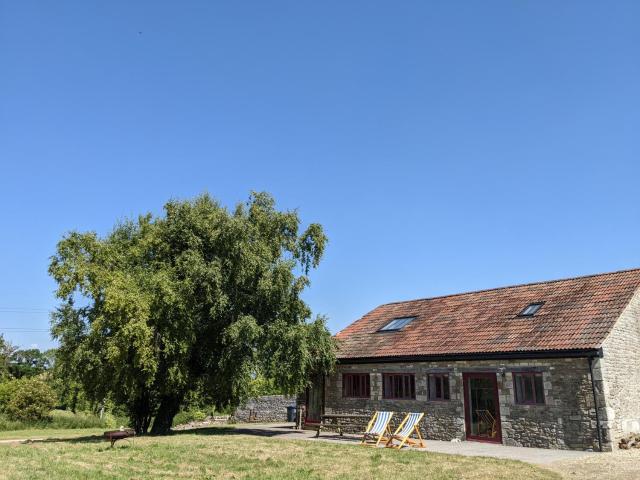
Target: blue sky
445, 146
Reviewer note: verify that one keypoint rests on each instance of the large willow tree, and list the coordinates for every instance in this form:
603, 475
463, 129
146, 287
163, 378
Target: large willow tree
199, 298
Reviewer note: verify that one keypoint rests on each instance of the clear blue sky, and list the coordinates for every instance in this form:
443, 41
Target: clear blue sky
445, 145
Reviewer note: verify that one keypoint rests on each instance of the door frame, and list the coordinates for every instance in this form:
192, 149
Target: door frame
467, 404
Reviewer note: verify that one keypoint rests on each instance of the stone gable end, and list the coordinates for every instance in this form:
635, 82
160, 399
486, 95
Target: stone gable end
619, 375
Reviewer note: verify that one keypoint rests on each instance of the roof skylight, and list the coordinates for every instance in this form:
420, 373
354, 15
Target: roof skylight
531, 309
396, 324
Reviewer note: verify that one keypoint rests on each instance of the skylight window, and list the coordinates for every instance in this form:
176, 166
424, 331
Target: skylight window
531, 309
396, 324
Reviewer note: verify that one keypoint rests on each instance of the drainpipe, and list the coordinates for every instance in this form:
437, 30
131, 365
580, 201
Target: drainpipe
595, 403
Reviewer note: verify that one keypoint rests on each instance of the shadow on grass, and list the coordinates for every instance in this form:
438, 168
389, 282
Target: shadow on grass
208, 431
264, 431
270, 431
84, 439
239, 430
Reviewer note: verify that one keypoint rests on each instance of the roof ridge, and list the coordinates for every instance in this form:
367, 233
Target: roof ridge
578, 277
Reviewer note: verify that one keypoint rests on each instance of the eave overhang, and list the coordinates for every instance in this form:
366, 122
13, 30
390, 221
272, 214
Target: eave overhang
517, 355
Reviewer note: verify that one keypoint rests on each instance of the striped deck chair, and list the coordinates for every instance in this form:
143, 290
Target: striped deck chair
378, 429
404, 431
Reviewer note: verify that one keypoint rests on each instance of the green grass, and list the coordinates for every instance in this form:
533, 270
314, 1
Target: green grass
222, 453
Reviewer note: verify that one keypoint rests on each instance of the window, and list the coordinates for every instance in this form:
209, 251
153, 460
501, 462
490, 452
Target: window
531, 309
438, 386
529, 388
396, 324
399, 386
356, 385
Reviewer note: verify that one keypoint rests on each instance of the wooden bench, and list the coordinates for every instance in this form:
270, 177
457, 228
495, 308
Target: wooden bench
114, 435
338, 422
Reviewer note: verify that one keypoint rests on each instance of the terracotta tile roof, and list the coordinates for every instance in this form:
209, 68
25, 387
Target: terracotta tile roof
578, 313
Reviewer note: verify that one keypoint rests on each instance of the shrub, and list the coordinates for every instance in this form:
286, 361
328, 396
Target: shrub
6, 391
30, 401
191, 415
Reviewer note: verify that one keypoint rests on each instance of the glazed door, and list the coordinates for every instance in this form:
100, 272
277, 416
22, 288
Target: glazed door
482, 407
315, 400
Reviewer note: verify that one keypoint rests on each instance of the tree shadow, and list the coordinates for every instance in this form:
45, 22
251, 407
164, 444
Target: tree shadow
264, 431
84, 439
271, 431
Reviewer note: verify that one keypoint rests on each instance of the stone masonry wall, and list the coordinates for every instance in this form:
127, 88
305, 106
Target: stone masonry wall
265, 409
565, 421
619, 374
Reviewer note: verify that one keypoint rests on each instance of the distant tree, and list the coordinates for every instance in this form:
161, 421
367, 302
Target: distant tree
28, 363
6, 351
198, 299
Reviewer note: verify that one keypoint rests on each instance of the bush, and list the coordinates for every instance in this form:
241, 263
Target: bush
30, 401
6, 392
191, 415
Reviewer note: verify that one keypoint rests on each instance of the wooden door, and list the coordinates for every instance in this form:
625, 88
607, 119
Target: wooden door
482, 407
315, 400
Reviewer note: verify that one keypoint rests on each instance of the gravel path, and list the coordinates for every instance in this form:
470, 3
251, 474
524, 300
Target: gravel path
622, 464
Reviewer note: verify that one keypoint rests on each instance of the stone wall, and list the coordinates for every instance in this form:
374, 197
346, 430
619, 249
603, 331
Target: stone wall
265, 409
207, 422
565, 421
619, 374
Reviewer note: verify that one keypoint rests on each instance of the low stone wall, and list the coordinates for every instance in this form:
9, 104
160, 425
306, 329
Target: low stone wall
207, 422
265, 409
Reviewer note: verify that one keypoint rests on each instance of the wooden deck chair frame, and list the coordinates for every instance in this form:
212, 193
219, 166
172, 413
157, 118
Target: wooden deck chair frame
407, 438
372, 439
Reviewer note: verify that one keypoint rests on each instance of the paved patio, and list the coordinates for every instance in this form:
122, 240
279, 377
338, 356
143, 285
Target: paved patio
539, 456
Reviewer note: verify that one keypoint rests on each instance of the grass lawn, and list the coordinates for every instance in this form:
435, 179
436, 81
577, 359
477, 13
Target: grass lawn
220, 453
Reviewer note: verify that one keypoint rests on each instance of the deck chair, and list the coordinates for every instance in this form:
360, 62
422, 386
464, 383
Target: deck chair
378, 429
404, 431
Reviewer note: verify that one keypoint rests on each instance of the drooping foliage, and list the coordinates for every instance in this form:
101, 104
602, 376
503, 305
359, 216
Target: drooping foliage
199, 298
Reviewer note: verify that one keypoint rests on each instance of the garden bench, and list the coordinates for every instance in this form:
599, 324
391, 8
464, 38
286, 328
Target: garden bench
339, 422
114, 435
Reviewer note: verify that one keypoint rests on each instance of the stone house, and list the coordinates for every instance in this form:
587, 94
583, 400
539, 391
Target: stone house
553, 364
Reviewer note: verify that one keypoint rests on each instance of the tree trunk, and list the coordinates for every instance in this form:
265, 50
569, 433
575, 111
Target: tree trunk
74, 400
169, 406
140, 415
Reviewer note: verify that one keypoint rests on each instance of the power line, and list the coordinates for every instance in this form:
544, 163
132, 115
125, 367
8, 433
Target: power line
32, 330
23, 311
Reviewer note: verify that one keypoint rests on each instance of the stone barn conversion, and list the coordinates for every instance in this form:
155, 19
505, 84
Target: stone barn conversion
536, 365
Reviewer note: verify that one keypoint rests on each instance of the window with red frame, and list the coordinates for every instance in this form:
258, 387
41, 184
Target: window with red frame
356, 385
529, 388
401, 386
438, 386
